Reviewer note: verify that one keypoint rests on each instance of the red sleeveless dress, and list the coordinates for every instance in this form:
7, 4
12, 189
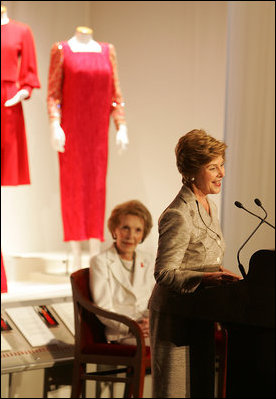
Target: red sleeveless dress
84, 98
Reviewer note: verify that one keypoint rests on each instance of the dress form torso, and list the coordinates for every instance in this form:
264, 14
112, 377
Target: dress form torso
4, 15
83, 41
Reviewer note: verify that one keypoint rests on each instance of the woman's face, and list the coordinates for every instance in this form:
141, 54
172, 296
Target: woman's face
129, 233
208, 179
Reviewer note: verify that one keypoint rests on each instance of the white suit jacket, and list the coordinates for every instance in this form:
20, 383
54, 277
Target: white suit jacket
111, 288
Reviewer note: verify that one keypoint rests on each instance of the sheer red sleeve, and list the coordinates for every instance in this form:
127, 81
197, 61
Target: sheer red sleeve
28, 76
55, 79
117, 106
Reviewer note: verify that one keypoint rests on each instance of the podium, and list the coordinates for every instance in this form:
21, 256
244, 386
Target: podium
247, 310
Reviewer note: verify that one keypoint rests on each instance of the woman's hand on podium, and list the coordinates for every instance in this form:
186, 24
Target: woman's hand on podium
217, 278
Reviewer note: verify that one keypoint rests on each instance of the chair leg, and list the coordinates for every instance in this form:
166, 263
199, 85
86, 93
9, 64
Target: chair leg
46, 383
77, 382
138, 381
83, 389
222, 376
98, 389
128, 392
222, 359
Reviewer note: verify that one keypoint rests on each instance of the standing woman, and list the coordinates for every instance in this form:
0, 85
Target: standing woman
189, 257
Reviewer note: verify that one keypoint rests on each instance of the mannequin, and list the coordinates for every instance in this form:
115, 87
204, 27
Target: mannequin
81, 42
94, 249
18, 78
4, 15
23, 93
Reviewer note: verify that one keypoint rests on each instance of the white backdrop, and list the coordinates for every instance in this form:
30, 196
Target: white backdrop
249, 127
176, 59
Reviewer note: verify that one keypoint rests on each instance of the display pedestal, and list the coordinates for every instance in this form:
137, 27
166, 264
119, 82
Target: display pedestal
38, 266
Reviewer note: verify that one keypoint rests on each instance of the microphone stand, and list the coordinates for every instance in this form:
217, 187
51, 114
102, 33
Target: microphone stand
254, 231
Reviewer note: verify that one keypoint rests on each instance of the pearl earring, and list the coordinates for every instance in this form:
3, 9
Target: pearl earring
192, 179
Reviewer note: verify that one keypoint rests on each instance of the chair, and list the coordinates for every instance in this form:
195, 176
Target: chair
91, 345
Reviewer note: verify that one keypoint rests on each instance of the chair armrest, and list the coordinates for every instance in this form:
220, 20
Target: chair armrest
134, 327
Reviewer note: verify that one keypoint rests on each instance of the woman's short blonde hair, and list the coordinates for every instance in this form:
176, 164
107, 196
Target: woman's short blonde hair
133, 207
194, 150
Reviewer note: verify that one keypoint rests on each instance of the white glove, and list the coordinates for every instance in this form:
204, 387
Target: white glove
57, 136
122, 138
20, 95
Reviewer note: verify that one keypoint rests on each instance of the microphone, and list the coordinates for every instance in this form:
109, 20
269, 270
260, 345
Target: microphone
257, 202
239, 205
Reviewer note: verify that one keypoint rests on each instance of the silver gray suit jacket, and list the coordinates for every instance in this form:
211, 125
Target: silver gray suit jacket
190, 243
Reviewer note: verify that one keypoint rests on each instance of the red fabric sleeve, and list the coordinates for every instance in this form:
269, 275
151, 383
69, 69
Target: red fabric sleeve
28, 77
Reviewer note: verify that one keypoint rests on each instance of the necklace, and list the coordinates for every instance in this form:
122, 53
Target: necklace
127, 262
218, 236
205, 205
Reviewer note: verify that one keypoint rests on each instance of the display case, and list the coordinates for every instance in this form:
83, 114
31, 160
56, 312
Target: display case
37, 329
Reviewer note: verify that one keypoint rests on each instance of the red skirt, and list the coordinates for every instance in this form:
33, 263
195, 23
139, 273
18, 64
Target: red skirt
14, 153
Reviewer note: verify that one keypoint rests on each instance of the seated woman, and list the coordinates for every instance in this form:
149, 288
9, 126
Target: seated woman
121, 277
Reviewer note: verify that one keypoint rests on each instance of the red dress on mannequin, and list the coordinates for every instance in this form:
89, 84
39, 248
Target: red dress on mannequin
18, 71
4, 287
83, 91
